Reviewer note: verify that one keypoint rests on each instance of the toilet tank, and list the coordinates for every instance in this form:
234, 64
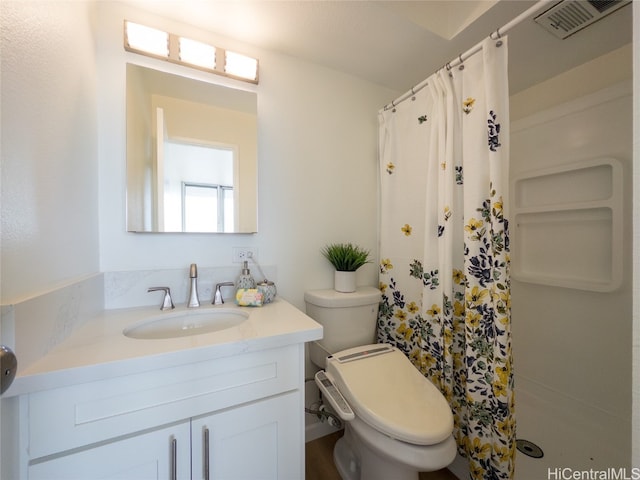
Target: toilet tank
348, 320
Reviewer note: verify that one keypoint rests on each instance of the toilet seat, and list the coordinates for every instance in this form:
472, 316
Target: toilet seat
387, 392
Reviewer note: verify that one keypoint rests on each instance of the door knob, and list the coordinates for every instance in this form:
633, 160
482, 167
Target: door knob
8, 368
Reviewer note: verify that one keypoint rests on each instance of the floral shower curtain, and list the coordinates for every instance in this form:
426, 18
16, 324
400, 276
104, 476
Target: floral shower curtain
444, 249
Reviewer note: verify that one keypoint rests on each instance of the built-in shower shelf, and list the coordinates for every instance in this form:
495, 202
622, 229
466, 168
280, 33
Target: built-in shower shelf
568, 226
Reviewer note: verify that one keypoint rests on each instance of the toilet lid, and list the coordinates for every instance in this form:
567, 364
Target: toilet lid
386, 391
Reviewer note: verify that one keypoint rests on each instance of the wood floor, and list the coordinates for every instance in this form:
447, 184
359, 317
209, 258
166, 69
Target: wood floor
319, 458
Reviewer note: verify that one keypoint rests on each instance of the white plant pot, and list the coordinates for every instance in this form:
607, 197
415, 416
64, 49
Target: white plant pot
344, 282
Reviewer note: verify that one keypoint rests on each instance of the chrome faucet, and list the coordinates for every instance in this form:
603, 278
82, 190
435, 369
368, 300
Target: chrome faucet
217, 298
167, 303
193, 292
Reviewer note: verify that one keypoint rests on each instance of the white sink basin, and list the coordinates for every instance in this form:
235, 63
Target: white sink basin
184, 324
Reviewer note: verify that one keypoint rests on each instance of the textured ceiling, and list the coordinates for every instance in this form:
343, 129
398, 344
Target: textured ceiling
397, 43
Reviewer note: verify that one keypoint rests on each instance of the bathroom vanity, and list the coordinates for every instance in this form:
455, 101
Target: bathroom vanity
220, 404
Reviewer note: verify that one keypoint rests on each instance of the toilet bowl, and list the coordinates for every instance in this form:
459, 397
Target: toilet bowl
401, 423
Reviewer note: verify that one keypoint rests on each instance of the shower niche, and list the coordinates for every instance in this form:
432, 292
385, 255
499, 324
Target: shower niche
568, 226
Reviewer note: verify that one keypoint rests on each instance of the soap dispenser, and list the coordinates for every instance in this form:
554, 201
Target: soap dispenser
245, 280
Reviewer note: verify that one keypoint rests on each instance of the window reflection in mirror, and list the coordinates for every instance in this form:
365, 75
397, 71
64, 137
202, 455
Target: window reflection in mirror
191, 155
205, 205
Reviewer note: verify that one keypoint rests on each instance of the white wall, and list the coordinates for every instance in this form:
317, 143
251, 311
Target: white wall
317, 161
49, 147
599, 73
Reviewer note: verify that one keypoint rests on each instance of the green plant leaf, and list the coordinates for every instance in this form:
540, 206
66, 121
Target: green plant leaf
346, 257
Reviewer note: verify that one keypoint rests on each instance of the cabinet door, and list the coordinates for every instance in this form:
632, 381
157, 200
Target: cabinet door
258, 441
148, 456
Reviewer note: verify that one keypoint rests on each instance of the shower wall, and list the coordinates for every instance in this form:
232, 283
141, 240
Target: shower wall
571, 292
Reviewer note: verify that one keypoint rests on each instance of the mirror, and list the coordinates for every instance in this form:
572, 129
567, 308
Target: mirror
191, 155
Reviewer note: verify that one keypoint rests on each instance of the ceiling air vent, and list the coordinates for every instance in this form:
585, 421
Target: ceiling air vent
570, 16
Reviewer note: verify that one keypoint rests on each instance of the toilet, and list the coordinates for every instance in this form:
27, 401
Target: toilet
401, 423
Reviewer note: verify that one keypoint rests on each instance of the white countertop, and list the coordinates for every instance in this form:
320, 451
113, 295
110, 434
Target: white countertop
99, 350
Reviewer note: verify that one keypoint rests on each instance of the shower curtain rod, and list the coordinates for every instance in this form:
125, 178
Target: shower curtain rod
534, 9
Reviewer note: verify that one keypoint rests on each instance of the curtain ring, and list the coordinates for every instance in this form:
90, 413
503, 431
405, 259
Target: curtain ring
499, 42
413, 94
461, 67
448, 66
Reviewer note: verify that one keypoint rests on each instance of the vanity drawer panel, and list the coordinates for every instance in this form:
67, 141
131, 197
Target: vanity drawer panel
80, 415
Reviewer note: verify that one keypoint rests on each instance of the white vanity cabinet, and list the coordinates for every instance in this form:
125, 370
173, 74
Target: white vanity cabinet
145, 456
256, 441
239, 417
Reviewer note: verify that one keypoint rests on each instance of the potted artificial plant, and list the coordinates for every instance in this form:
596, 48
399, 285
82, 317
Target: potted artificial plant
346, 258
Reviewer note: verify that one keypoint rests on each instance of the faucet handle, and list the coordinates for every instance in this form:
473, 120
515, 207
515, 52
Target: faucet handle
167, 303
217, 298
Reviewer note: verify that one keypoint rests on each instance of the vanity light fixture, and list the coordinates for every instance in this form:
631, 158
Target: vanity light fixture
146, 39
240, 65
185, 51
197, 53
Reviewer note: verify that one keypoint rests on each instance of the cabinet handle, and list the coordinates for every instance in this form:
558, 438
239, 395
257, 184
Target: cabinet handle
174, 459
206, 453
